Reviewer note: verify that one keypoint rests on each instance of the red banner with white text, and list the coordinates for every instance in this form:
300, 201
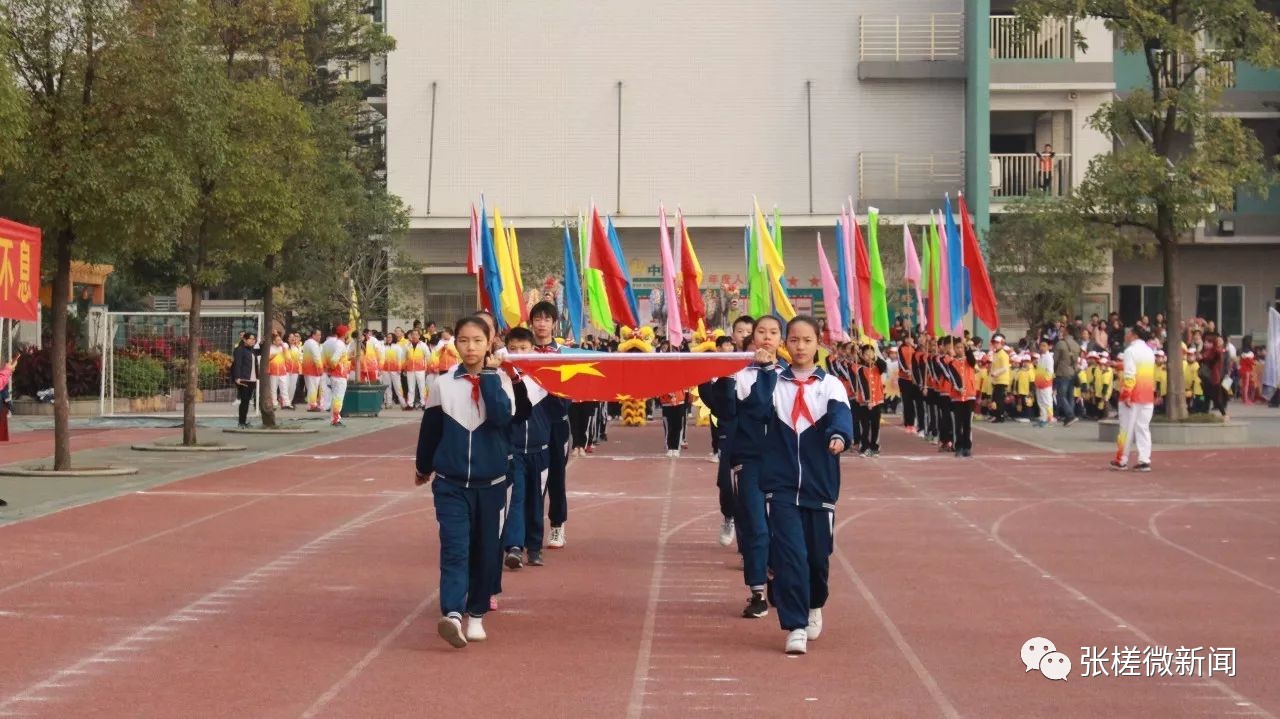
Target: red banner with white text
19, 271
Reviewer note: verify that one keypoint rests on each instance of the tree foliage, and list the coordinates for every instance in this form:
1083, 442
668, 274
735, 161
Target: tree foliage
1178, 159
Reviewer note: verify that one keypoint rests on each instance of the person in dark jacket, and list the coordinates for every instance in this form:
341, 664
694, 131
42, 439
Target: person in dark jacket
244, 373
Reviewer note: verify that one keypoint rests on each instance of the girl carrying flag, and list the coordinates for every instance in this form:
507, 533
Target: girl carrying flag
800, 476
464, 449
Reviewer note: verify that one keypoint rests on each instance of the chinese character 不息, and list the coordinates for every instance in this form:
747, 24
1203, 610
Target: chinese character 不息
1157, 661
24, 272
1093, 662
1222, 660
1125, 662
1188, 662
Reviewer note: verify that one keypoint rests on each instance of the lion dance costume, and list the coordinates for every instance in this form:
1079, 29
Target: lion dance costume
633, 410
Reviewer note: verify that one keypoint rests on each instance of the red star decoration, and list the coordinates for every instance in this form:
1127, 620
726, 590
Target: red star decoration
814, 281
792, 282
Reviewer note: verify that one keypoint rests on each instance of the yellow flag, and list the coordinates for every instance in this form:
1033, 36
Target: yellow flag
772, 260
515, 268
509, 302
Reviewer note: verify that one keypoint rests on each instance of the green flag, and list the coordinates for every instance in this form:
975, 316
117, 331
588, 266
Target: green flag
935, 278
926, 278
777, 230
879, 303
757, 277
593, 282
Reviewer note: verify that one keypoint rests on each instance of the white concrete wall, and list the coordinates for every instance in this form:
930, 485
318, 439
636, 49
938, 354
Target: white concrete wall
713, 104
1099, 40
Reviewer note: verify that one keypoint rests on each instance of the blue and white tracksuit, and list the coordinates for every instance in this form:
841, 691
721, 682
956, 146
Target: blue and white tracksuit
467, 444
558, 451
530, 463
800, 479
746, 399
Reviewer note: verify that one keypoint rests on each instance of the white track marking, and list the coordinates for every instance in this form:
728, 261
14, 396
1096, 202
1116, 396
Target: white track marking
641, 674
1153, 527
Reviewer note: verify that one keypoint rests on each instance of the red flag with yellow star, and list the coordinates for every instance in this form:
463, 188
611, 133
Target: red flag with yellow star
605, 377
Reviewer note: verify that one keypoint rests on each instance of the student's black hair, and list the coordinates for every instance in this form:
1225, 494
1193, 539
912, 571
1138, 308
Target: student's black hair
803, 320
547, 309
744, 318
756, 323
944, 341
723, 340
520, 334
472, 320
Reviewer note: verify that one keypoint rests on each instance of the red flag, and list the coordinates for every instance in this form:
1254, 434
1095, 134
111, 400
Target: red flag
606, 376
984, 295
19, 271
475, 261
615, 281
694, 309
863, 273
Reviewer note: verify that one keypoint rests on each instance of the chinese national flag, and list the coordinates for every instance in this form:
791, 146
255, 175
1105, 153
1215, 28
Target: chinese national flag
604, 377
19, 271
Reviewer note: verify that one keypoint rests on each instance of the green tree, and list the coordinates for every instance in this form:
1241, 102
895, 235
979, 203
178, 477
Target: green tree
98, 168
1043, 259
1177, 159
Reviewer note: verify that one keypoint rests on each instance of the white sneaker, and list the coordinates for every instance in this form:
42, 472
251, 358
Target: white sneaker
556, 540
797, 642
714, 457
814, 630
475, 630
726, 532
450, 629
675, 454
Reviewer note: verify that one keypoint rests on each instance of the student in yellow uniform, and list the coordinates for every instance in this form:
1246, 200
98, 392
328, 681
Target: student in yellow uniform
1024, 401
1162, 380
983, 379
1001, 376
1102, 379
1194, 385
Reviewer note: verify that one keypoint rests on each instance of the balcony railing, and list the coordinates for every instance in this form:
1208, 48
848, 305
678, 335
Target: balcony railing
1024, 174
908, 176
936, 36
1174, 68
1054, 39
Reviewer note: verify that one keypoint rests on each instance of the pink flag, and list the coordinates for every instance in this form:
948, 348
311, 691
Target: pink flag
830, 296
670, 300
850, 317
912, 275
944, 308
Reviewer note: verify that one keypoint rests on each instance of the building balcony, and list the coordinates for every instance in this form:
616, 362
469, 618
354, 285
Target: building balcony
1024, 174
1046, 56
921, 46
901, 183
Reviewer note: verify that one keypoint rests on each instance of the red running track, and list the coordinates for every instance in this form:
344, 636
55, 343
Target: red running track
305, 586
25, 446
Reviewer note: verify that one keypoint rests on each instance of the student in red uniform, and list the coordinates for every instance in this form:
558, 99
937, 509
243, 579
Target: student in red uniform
869, 388
964, 369
673, 414
907, 383
942, 375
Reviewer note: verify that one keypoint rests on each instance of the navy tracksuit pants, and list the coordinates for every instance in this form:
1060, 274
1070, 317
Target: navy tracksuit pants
524, 526
800, 545
724, 478
470, 520
557, 500
751, 523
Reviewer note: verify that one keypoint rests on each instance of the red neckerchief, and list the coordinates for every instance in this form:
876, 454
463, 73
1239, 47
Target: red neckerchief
474, 379
799, 408
545, 349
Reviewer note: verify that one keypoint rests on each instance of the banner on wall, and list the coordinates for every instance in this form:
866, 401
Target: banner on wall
19, 271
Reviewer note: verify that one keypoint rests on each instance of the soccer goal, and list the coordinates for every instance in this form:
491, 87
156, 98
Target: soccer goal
144, 361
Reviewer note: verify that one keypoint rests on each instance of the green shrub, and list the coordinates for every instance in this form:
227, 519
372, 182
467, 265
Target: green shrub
139, 377
210, 374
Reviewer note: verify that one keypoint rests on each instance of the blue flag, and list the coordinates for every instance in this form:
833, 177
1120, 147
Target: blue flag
842, 278
957, 278
572, 288
622, 263
492, 277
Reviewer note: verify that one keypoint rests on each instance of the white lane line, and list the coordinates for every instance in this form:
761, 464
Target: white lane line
922, 673
1155, 532
641, 673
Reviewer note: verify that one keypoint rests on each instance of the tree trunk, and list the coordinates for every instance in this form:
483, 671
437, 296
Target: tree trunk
1175, 406
61, 402
266, 398
194, 331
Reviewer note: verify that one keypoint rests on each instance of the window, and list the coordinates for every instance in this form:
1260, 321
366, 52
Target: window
1139, 300
1224, 304
448, 298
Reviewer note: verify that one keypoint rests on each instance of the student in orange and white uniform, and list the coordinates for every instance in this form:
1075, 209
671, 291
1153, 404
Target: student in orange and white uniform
391, 365
278, 369
868, 386
337, 365
294, 364
313, 373
372, 357
673, 414
417, 360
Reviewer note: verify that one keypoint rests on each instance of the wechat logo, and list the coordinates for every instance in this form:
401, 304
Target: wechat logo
1040, 654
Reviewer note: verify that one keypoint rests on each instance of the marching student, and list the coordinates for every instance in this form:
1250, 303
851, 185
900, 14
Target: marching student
417, 360
464, 449
809, 426
919, 389
946, 426
313, 373
673, 416
721, 427
907, 382
892, 386
964, 372
869, 388
336, 356
530, 437
543, 318
747, 401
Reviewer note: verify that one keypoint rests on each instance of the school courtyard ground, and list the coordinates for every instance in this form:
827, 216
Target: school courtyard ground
298, 579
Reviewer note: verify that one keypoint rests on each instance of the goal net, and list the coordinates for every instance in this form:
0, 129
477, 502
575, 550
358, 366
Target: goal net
144, 361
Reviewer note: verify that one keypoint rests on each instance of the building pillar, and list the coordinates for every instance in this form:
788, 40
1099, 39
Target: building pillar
977, 113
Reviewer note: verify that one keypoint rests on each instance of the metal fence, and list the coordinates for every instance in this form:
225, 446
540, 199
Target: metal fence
1023, 174
935, 36
1053, 39
907, 176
